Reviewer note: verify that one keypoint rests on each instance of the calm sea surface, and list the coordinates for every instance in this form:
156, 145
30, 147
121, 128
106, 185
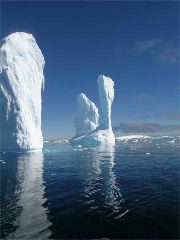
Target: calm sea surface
129, 191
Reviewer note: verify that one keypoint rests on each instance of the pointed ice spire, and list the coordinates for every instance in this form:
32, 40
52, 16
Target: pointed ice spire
106, 95
87, 115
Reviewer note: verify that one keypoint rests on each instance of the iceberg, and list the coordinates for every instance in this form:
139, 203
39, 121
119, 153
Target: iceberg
106, 94
91, 128
87, 116
21, 83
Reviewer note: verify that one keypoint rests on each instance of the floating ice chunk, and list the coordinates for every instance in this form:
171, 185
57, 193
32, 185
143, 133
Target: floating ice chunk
79, 146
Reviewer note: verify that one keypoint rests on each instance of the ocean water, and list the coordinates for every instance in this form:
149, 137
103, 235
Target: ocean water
130, 191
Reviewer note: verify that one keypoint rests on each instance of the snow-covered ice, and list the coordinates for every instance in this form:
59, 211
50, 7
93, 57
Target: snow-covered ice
91, 128
22, 79
87, 116
132, 137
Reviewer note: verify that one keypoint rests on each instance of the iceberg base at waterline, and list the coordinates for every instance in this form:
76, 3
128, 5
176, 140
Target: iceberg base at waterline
96, 138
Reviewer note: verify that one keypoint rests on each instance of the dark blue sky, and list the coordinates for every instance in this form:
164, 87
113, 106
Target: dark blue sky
135, 43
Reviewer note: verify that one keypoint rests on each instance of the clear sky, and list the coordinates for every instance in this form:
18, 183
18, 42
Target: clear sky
135, 43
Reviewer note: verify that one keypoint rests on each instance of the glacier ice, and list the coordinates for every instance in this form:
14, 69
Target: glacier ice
102, 132
21, 82
106, 94
87, 116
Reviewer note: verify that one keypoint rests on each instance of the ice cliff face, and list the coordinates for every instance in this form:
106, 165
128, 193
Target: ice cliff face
21, 81
96, 132
106, 94
87, 116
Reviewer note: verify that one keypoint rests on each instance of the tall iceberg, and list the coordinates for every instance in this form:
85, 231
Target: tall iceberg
21, 82
106, 94
103, 133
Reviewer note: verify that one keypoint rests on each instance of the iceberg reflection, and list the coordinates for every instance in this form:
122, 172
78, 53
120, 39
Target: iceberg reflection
101, 186
32, 222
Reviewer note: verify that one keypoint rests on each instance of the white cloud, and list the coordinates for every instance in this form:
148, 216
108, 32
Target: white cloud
168, 53
159, 50
146, 45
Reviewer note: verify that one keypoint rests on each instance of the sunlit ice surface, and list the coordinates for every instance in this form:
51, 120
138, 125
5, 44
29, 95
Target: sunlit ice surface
130, 190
